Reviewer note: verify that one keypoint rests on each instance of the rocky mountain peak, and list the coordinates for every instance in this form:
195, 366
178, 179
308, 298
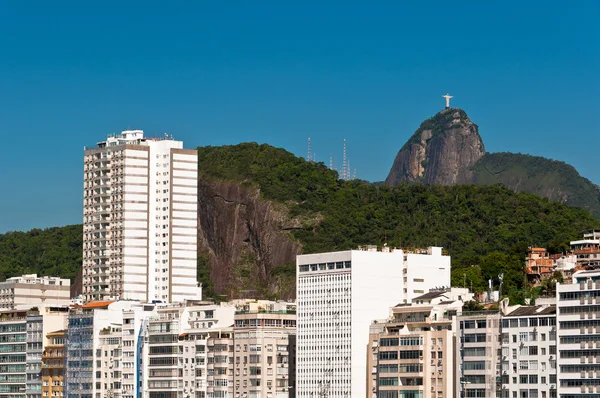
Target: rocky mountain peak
441, 151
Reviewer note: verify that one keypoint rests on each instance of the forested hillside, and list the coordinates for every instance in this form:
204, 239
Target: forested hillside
486, 229
54, 252
546, 177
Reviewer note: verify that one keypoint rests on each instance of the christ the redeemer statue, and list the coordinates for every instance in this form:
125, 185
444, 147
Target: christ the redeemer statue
447, 96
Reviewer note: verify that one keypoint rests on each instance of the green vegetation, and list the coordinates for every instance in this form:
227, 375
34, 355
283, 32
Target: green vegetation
534, 174
486, 229
54, 252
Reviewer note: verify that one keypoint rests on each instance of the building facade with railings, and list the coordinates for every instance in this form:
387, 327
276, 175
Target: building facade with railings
22, 343
338, 295
23, 292
100, 361
529, 351
53, 364
13, 353
478, 354
578, 325
412, 351
140, 219
239, 349
264, 335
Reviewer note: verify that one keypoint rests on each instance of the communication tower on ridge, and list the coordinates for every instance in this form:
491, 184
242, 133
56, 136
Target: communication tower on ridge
344, 163
308, 158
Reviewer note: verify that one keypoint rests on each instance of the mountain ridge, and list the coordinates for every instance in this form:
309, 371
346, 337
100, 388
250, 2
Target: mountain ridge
423, 160
441, 151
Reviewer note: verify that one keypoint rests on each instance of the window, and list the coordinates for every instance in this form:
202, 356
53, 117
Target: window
389, 342
533, 379
387, 355
523, 365
388, 381
416, 354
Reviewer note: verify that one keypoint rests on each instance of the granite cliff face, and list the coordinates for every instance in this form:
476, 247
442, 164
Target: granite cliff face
441, 151
245, 238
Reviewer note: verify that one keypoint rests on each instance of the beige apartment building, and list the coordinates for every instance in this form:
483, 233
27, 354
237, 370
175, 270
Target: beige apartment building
411, 354
23, 292
479, 354
265, 343
53, 364
241, 349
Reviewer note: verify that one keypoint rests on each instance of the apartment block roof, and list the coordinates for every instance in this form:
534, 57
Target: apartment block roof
533, 310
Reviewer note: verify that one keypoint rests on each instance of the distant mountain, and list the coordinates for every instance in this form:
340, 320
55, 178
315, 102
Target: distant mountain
441, 151
447, 149
549, 178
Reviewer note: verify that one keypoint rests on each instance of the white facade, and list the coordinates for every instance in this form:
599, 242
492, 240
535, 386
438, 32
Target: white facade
140, 220
26, 291
528, 352
425, 271
338, 295
578, 325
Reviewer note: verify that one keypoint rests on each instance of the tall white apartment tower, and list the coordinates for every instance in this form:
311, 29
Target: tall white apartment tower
338, 295
140, 219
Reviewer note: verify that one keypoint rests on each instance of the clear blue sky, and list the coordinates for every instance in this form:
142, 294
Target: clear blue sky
213, 73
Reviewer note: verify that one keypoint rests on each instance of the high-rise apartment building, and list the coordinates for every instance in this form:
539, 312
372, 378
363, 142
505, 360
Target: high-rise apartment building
338, 295
528, 352
478, 355
29, 290
578, 319
140, 219
412, 351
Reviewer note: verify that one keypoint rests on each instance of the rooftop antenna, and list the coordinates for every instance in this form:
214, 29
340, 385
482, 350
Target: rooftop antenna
344, 162
308, 158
